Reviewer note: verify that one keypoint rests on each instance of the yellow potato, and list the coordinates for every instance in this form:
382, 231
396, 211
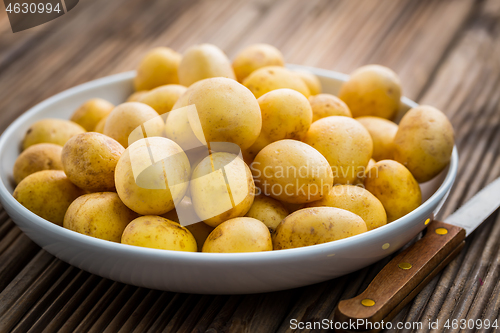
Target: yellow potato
345, 143
141, 184
254, 57
292, 171
356, 200
382, 132
311, 80
157, 68
42, 156
89, 161
267, 210
158, 233
286, 114
124, 123
395, 187
317, 225
91, 112
99, 128
424, 142
56, 131
209, 190
241, 234
163, 98
204, 61
48, 194
326, 105
372, 90
101, 215
269, 78
135, 97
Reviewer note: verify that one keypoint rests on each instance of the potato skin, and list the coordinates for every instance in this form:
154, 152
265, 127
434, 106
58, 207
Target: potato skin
99, 128
267, 210
254, 57
101, 215
89, 161
292, 171
269, 78
395, 187
357, 200
326, 105
56, 131
136, 96
312, 82
91, 112
163, 98
241, 234
372, 90
158, 233
424, 142
316, 225
42, 156
382, 132
48, 194
157, 68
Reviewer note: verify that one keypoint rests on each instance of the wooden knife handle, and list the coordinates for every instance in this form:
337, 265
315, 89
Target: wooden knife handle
398, 279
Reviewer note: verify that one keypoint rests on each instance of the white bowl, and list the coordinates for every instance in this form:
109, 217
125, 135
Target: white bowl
204, 273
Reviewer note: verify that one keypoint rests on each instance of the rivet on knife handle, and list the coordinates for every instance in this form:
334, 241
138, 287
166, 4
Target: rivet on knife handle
402, 274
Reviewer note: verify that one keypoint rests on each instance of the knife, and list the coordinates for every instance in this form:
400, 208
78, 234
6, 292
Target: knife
407, 273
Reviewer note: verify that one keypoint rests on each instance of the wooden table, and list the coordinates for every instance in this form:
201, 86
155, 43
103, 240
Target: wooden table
446, 52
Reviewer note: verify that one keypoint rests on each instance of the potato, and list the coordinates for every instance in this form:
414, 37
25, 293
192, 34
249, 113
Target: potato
357, 200
56, 131
345, 143
241, 234
326, 105
267, 210
226, 112
48, 194
292, 171
382, 132
91, 112
286, 114
316, 225
125, 121
372, 90
101, 215
42, 156
254, 57
158, 233
216, 200
312, 82
270, 78
424, 142
157, 68
163, 98
202, 62
135, 97
99, 128
395, 187
89, 161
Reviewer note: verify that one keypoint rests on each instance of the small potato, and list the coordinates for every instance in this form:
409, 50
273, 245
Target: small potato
326, 105
292, 171
56, 131
48, 194
141, 184
91, 112
254, 57
89, 161
125, 121
135, 97
395, 187
157, 68
424, 142
216, 200
42, 156
101, 215
372, 90
356, 200
202, 62
317, 225
158, 233
382, 132
163, 98
346, 145
99, 128
267, 210
311, 80
270, 78
241, 234
286, 114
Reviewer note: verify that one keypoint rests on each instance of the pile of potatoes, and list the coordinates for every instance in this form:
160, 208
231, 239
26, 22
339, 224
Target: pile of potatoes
308, 168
